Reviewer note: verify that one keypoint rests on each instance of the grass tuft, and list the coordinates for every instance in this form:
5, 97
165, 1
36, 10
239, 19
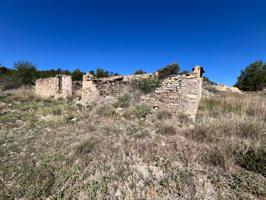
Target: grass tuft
142, 110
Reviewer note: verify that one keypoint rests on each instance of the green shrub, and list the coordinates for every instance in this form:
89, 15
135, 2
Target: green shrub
140, 71
142, 110
147, 85
172, 69
122, 101
137, 131
106, 111
253, 160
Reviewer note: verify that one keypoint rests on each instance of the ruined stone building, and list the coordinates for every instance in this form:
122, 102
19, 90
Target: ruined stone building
95, 89
56, 87
176, 94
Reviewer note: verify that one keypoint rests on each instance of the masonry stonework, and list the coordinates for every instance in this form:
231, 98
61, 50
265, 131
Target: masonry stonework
198, 71
94, 89
57, 87
177, 94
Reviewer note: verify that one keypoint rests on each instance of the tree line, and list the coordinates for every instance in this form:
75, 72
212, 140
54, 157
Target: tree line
25, 73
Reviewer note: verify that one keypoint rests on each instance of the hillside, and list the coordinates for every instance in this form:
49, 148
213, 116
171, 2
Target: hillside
62, 150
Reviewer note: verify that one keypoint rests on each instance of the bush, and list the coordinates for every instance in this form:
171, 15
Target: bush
253, 160
147, 85
122, 101
77, 75
142, 110
106, 111
26, 71
101, 73
139, 72
9, 81
172, 69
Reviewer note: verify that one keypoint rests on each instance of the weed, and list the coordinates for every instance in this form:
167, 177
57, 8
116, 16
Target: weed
147, 85
142, 110
128, 113
122, 101
106, 111
253, 160
245, 182
249, 129
136, 131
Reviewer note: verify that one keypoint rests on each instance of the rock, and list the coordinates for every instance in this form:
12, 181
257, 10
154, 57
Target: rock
74, 119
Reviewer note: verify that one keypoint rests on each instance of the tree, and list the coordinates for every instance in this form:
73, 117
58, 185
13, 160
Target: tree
172, 69
253, 77
140, 71
77, 75
92, 72
5, 70
8, 79
26, 72
147, 85
101, 73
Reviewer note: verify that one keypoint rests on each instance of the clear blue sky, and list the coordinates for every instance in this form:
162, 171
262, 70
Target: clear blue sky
223, 36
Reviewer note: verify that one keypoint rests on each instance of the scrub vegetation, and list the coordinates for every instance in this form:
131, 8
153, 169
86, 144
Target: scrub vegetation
126, 150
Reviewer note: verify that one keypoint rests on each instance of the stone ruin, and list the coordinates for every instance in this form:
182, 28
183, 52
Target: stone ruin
176, 94
179, 94
59, 86
94, 89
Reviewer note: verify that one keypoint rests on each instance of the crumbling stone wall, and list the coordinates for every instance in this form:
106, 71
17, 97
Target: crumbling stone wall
177, 94
94, 89
57, 87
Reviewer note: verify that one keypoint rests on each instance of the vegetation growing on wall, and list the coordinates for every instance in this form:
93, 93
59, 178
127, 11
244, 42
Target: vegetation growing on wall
168, 70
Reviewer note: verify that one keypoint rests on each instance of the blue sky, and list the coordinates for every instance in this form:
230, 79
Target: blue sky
223, 36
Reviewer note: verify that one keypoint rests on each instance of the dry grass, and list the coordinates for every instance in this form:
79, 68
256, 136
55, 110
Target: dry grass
61, 150
235, 134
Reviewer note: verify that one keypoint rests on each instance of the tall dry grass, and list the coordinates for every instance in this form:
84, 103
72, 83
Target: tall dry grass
234, 129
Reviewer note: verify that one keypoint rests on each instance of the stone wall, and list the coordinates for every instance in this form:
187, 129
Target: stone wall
110, 87
57, 87
177, 94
